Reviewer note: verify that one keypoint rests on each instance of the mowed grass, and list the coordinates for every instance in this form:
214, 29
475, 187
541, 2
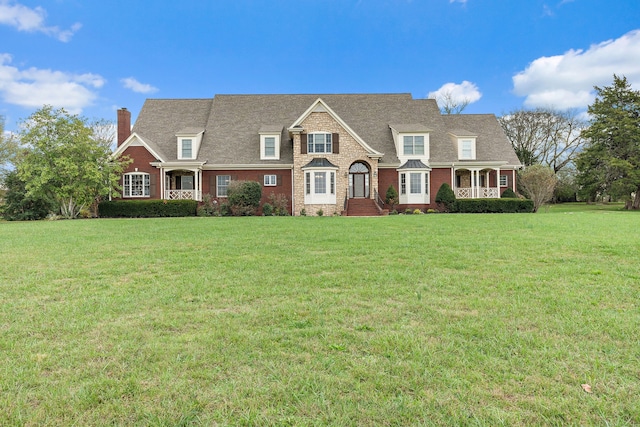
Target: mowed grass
401, 320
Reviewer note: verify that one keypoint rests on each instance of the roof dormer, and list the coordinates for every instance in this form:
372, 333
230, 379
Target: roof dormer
270, 142
465, 142
189, 141
411, 141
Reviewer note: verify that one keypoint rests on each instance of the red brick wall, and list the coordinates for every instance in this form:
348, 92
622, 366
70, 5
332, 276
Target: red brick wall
142, 158
284, 181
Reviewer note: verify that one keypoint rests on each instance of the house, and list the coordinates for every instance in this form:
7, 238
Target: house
338, 153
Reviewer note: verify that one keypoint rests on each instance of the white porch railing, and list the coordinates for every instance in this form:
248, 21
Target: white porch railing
183, 195
477, 193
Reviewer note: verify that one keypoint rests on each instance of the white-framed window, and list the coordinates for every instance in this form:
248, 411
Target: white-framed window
504, 180
414, 187
222, 185
413, 145
320, 187
136, 184
319, 143
270, 180
467, 149
269, 147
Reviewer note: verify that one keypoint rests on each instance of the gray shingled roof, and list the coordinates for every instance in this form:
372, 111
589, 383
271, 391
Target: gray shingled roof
232, 124
414, 164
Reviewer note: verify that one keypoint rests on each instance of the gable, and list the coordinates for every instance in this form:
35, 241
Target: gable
135, 140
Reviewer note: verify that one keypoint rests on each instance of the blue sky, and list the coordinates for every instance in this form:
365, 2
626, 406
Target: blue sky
93, 57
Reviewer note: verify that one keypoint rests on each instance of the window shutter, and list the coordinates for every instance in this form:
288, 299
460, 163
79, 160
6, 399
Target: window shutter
213, 185
261, 179
335, 142
279, 180
303, 143
152, 185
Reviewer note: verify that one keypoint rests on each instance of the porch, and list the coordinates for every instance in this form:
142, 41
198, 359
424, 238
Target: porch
182, 184
476, 183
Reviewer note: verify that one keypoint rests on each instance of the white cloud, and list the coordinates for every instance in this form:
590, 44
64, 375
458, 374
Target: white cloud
33, 87
30, 20
458, 1
136, 86
566, 81
458, 93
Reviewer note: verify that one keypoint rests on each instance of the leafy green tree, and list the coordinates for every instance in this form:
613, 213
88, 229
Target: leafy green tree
18, 205
611, 163
8, 150
538, 183
65, 162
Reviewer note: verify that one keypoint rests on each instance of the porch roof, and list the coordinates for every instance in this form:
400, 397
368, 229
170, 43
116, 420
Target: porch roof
414, 164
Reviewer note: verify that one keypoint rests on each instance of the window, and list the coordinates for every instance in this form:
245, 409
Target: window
504, 180
223, 185
411, 187
269, 147
415, 185
187, 151
136, 185
413, 145
319, 143
270, 180
320, 187
467, 149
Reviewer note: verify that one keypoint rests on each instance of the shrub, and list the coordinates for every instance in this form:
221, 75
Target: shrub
267, 209
492, 206
417, 211
147, 208
408, 211
445, 196
391, 198
433, 211
244, 197
320, 212
303, 212
280, 204
508, 194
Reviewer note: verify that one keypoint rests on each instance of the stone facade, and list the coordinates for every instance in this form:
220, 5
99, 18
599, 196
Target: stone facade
350, 151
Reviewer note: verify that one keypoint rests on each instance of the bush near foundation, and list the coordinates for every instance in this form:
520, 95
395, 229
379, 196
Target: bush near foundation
147, 208
492, 206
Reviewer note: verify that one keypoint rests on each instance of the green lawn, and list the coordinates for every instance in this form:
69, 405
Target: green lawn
400, 320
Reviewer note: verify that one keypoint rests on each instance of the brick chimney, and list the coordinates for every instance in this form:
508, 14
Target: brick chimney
124, 125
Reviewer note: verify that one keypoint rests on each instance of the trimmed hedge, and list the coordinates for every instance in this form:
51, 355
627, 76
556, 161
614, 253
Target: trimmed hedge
147, 208
492, 206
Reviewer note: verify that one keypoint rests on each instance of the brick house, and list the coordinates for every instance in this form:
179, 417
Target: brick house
338, 153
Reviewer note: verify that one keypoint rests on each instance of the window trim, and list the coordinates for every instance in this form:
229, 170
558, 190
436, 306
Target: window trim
471, 150
146, 185
413, 145
506, 180
311, 194
311, 144
225, 186
405, 178
270, 180
181, 142
263, 146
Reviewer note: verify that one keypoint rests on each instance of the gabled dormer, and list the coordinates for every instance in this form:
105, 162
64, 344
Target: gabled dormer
465, 143
270, 142
411, 141
188, 143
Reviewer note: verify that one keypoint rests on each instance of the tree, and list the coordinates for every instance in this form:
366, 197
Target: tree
65, 163
611, 163
8, 150
449, 104
543, 136
391, 197
18, 205
538, 183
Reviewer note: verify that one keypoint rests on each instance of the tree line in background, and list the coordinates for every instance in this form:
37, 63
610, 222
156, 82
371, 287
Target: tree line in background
595, 160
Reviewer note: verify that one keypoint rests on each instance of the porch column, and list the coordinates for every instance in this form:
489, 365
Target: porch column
162, 179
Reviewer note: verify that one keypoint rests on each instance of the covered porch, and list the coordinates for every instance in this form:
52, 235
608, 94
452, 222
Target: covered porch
181, 184
476, 183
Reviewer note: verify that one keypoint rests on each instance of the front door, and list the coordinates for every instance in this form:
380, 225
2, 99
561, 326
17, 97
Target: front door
359, 180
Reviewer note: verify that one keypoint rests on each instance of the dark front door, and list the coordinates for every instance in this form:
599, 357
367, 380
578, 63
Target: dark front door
359, 185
